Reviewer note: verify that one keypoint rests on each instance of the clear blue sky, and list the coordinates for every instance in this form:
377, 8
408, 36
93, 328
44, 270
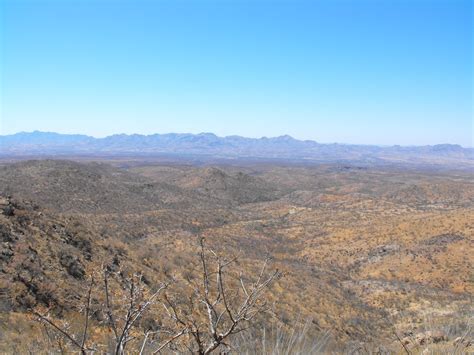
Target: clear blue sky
360, 71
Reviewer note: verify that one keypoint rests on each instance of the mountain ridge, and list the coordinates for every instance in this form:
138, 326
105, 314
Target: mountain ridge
209, 144
284, 137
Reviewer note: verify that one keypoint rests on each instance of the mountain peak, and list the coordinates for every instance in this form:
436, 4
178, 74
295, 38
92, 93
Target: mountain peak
285, 137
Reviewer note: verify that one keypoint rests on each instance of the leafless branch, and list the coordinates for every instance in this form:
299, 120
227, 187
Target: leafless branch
221, 303
88, 308
225, 316
170, 340
45, 318
110, 316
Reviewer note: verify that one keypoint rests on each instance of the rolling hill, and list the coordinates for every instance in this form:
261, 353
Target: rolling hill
366, 252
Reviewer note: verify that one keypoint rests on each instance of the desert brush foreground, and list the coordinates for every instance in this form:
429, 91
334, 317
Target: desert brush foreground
365, 258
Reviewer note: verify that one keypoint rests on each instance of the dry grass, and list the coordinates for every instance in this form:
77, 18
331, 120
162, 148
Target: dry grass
358, 246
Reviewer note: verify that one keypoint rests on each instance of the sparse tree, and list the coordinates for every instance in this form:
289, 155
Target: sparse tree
122, 315
136, 304
222, 303
210, 305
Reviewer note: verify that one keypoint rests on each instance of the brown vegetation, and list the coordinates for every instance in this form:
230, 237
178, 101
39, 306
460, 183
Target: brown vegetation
374, 257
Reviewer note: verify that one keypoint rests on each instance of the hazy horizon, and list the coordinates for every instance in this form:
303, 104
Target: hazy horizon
365, 72
221, 136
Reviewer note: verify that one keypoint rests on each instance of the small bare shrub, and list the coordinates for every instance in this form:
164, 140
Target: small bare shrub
201, 313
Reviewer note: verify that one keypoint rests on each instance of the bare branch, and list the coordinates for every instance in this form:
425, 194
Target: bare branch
88, 308
60, 330
225, 315
110, 316
170, 340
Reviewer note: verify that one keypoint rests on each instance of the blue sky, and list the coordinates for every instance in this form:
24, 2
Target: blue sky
361, 71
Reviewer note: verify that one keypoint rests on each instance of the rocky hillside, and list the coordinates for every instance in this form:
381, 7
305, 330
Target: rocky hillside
366, 253
67, 186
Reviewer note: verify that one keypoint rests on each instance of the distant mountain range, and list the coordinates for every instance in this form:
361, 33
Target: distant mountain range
231, 147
